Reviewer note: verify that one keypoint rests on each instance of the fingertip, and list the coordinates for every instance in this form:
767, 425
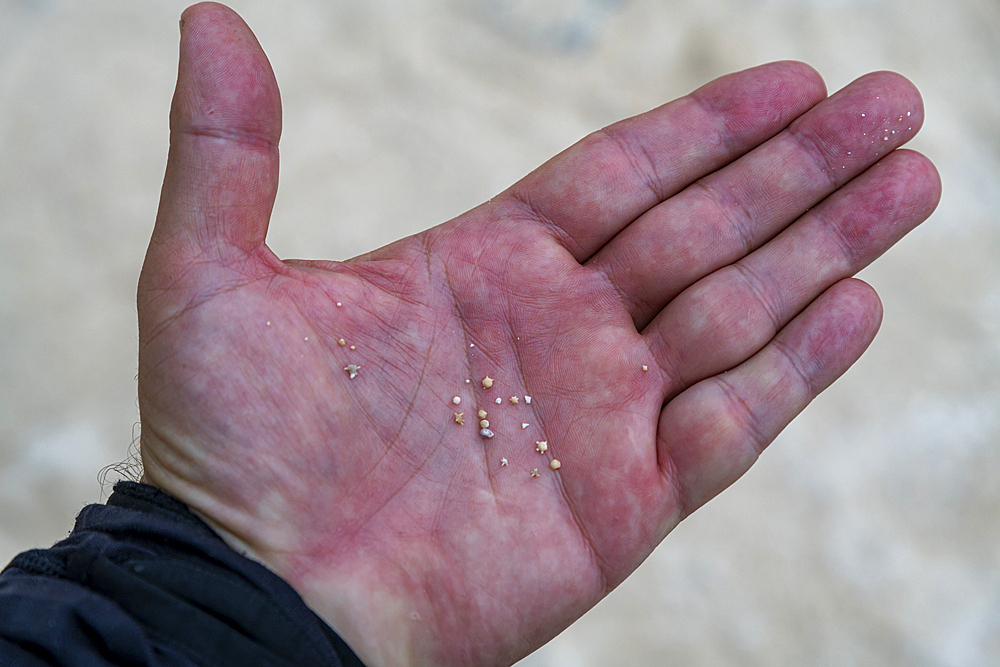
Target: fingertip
203, 8
802, 74
926, 174
225, 83
908, 186
843, 323
898, 83
774, 94
868, 304
904, 94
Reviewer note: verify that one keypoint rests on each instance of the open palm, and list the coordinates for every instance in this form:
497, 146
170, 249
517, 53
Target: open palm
670, 293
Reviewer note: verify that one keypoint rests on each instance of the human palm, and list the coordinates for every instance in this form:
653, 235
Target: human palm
669, 293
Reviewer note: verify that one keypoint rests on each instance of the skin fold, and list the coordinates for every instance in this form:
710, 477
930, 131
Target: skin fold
670, 292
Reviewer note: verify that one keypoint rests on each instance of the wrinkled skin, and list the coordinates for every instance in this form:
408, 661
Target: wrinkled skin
671, 292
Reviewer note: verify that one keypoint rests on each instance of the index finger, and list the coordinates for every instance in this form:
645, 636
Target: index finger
594, 189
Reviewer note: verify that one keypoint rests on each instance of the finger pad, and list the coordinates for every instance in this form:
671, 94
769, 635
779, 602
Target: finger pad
225, 86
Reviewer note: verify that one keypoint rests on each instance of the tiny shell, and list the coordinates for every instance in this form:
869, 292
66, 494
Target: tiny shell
524, 425
456, 400
527, 399
486, 433
482, 414
554, 464
484, 424
499, 401
341, 342
352, 370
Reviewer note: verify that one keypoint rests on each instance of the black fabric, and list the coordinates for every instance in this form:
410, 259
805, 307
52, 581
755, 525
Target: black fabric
143, 581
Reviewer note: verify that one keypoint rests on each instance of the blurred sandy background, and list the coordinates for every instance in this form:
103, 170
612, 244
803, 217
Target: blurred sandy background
868, 534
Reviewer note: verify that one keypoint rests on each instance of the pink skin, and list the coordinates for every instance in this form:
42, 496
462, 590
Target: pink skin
711, 240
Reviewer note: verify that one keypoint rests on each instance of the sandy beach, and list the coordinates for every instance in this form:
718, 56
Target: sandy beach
867, 534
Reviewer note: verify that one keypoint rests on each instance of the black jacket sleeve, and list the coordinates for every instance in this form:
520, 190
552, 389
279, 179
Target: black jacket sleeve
143, 581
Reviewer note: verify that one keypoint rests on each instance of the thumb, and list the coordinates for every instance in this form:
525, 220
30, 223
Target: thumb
222, 167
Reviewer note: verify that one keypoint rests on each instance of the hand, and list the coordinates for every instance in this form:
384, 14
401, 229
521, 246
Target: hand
670, 292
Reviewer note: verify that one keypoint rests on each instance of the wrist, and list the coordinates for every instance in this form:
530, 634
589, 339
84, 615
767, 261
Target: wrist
377, 628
